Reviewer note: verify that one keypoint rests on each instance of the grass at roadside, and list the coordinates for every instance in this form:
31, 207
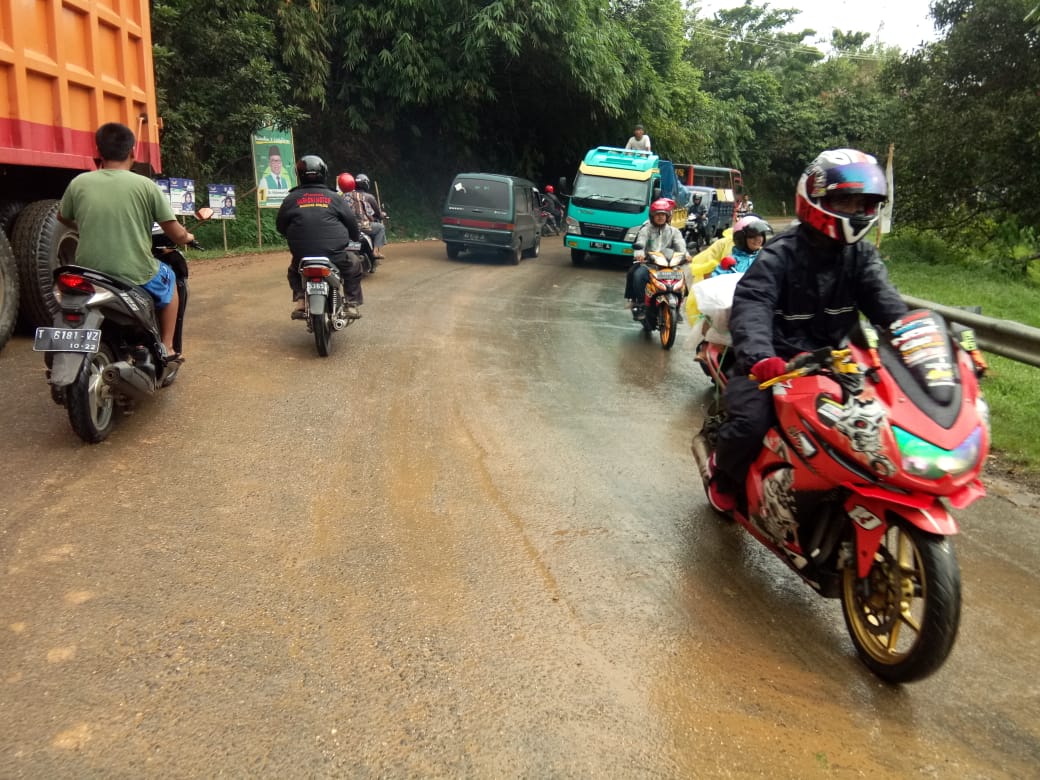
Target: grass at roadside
1010, 387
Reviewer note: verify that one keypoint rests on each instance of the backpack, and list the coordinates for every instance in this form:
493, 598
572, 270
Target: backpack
359, 207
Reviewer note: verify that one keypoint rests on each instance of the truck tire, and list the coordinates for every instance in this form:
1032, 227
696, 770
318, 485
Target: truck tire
41, 243
9, 210
8, 290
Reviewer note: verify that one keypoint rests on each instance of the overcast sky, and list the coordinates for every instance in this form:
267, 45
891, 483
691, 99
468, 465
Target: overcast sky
902, 23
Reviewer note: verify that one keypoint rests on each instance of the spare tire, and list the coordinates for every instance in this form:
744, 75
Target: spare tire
8, 290
41, 243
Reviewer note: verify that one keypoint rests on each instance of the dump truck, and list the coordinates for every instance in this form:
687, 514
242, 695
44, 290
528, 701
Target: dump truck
66, 67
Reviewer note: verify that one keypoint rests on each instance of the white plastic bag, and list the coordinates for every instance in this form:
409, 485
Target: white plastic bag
715, 300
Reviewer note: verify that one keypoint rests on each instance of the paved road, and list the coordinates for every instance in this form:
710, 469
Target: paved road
469, 543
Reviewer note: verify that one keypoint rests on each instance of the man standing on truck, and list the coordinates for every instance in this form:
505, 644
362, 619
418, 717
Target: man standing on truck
639, 140
113, 209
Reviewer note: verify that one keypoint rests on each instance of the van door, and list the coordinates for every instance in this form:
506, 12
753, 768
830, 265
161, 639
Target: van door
526, 218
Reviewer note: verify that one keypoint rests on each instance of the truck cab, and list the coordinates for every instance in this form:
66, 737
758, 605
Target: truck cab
611, 199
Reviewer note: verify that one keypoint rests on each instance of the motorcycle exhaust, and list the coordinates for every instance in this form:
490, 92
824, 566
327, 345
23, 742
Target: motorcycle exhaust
339, 324
701, 454
123, 378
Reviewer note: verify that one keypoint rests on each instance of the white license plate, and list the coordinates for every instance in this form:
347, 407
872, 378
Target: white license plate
66, 340
669, 276
316, 287
599, 245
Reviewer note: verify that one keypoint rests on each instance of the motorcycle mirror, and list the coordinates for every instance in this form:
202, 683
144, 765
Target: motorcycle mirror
204, 214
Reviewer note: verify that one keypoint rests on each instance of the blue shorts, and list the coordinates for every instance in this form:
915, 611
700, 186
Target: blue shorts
161, 285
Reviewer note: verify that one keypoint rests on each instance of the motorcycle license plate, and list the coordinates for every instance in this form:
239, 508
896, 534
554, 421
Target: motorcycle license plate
599, 245
316, 287
66, 340
669, 276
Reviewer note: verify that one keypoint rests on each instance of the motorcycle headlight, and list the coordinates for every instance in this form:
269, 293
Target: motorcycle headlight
924, 459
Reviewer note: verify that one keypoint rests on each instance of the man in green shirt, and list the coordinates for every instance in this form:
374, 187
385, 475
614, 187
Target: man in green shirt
113, 209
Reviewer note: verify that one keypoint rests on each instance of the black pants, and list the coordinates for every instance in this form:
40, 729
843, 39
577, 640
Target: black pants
750, 415
635, 283
349, 265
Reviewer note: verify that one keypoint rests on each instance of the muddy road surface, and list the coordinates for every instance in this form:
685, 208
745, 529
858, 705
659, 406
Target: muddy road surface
469, 543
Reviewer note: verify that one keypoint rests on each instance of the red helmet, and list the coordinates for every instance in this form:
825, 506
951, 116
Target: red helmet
662, 205
839, 172
346, 182
549, 188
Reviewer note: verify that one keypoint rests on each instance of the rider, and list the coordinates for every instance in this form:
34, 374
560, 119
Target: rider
317, 223
655, 235
114, 208
554, 204
356, 202
375, 212
749, 234
803, 292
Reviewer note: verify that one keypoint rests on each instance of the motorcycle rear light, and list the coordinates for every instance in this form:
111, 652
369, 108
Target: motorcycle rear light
75, 283
73, 318
317, 271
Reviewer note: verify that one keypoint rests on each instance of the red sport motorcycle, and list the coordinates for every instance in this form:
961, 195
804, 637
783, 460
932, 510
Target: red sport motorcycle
872, 441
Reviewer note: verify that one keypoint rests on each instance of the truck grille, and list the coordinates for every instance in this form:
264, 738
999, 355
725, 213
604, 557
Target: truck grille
604, 232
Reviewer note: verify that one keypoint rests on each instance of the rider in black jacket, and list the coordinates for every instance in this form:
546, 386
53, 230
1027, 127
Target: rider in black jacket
804, 292
318, 223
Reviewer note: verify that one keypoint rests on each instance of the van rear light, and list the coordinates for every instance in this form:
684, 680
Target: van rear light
316, 271
75, 283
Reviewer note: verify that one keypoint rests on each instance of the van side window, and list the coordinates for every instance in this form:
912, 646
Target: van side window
523, 200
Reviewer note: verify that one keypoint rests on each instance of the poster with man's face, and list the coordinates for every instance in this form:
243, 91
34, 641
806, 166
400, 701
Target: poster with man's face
273, 164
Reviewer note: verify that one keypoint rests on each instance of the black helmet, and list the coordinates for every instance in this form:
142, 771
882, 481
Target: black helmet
362, 182
749, 227
311, 169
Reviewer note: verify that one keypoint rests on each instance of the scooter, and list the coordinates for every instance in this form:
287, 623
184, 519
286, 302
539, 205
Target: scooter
873, 439
105, 350
666, 290
324, 301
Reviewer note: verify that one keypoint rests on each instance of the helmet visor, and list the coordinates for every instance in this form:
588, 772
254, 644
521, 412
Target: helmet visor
857, 178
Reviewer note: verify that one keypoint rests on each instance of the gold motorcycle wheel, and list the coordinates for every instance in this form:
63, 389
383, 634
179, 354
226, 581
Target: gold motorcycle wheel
903, 616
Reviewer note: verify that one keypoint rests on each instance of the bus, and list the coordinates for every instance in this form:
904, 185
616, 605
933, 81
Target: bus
710, 176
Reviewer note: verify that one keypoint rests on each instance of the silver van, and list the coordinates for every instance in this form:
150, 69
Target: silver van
492, 212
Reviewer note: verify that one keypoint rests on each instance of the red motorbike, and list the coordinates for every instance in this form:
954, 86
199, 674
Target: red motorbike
873, 439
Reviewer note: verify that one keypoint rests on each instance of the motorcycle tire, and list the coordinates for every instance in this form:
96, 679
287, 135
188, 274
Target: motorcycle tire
669, 324
90, 404
322, 332
913, 587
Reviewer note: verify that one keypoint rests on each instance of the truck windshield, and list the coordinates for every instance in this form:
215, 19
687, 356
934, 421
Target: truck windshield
601, 192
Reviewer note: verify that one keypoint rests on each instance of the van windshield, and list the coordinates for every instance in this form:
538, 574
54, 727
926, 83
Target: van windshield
479, 194
608, 194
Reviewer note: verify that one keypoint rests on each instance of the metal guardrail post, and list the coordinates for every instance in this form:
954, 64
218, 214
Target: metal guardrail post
1001, 337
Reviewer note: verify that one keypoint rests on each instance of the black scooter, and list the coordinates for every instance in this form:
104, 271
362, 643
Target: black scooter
105, 349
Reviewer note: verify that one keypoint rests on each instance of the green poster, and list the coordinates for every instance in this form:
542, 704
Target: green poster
273, 165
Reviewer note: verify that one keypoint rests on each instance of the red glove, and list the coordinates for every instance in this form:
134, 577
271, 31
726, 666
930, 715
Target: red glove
768, 368
729, 261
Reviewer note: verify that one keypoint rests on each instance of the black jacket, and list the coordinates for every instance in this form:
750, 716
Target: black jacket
805, 291
316, 221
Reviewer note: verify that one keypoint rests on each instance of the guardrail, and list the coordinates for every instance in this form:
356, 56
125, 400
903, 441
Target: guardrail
1001, 337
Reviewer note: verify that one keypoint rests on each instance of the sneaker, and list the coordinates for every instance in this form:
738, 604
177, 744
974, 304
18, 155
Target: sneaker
638, 313
722, 500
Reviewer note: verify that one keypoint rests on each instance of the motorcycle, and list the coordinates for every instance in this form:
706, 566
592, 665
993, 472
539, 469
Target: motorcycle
105, 350
696, 232
872, 440
324, 300
666, 290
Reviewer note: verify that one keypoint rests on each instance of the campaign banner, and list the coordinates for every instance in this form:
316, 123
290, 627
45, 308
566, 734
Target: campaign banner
182, 196
273, 164
222, 200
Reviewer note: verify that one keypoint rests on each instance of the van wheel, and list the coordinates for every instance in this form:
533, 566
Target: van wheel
515, 254
577, 257
453, 250
536, 248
